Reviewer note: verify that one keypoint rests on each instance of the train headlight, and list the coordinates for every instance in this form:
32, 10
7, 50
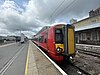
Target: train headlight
71, 57
59, 49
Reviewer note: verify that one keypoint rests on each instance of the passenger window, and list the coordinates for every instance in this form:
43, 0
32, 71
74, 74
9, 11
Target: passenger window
41, 39
46, 36
45, 40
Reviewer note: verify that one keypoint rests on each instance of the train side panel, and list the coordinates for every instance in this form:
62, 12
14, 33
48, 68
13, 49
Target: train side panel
51, 46
51, 43
43, 40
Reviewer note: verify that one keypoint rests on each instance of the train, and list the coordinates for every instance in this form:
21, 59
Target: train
58, 41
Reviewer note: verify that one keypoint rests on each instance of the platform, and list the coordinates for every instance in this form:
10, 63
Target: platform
38, 64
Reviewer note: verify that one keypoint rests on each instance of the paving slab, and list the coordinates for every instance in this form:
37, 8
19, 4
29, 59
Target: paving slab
38, 64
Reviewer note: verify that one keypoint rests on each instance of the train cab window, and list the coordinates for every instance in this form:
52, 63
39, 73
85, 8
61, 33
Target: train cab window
58, 36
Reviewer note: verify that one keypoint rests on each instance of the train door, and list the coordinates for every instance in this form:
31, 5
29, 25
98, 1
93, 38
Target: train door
68, 32
71, 42
45, 40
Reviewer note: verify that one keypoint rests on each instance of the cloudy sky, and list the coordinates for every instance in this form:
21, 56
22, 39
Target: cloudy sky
29, 16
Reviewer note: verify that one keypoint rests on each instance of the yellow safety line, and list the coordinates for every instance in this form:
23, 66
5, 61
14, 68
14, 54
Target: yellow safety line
26, 69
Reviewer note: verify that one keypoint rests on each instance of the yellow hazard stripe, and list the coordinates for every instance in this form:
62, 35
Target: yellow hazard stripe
26, 68
60, 45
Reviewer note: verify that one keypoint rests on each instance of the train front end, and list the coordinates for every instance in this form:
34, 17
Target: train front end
65, 42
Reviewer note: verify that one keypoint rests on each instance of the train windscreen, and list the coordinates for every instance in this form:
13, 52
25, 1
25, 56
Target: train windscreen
58, 36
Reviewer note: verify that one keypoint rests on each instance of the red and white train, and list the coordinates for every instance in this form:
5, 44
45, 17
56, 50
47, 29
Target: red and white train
57, 41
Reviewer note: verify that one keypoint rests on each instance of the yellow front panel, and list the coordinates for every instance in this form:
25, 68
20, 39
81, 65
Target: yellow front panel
71, 49
61, 46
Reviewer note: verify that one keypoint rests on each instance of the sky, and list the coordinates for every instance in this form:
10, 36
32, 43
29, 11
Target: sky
29, 16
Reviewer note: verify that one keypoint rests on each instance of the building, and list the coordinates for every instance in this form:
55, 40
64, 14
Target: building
10, 38
94, 12
87, 31
0, 37
73, 21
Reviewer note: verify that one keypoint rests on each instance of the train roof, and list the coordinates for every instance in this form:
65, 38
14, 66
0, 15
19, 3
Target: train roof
90, 26
44, 28
47, 27
58, 23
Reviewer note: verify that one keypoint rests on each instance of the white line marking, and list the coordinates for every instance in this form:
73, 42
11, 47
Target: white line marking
63, 73
7, 44
3, 70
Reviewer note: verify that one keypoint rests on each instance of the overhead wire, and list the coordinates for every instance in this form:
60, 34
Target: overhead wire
57, 9
65, 8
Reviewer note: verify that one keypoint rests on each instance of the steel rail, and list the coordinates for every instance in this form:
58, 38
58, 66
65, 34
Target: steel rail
89, 53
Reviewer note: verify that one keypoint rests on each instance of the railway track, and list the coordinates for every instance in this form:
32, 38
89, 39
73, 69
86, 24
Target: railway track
68, 68
72, 69
89, 53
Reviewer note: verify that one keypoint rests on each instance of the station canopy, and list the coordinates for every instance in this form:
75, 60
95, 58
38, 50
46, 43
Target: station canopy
90, 26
